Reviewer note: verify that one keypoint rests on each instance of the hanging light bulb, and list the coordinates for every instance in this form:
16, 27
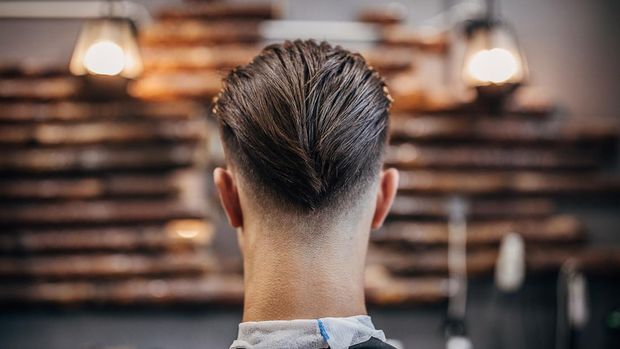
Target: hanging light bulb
493, 63
107, 47
492, 56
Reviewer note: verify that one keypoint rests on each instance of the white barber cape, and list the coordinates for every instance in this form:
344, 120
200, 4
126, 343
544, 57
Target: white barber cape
335, 333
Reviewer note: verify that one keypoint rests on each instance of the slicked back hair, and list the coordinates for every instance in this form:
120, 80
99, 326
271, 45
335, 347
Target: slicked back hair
306, 121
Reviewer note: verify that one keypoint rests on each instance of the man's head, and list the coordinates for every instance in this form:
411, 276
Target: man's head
304, 127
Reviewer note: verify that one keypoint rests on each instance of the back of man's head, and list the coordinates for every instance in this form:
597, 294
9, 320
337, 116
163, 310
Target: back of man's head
305, 123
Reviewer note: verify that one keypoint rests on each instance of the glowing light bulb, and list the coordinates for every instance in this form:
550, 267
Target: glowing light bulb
105, 58
496, 65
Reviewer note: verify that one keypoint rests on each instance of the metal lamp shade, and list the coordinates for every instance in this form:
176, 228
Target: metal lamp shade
493, 58
107, 47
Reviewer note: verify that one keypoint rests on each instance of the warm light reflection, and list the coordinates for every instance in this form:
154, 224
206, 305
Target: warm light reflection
190, 229
496, 66
187, 233
105, 58
107, 47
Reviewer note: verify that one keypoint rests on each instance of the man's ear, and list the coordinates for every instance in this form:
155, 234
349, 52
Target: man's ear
385, 196
229, 196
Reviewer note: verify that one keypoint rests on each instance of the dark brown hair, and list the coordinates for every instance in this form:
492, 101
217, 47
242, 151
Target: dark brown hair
307, 121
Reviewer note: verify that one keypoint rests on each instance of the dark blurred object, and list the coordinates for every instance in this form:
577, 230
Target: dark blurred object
613, 329
573, 305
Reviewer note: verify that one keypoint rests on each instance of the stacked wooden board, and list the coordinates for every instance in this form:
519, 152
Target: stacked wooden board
190, 48
509, 167
102, 199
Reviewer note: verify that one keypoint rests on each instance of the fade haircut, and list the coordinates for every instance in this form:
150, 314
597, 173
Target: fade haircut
305, 122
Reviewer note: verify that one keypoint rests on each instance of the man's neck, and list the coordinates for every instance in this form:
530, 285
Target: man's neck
292, 281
